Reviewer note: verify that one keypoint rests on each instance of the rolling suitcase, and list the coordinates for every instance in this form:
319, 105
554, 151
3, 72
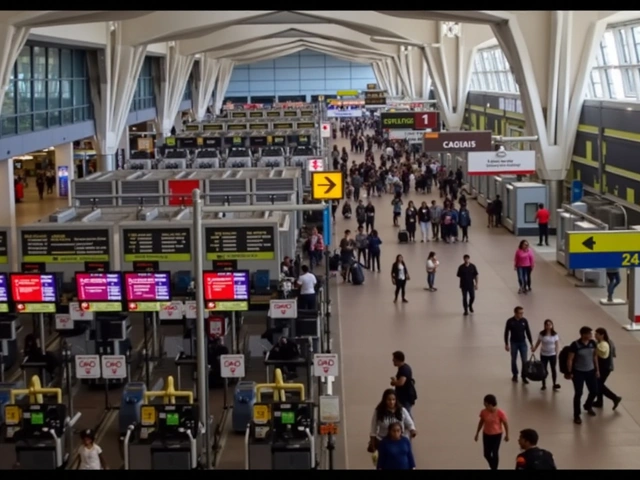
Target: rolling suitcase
334, 262
357, 274
403, 236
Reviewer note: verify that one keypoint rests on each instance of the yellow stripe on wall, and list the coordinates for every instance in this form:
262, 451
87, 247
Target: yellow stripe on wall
622, 173
621, 135
515, 115
476, 108
495, 111
588, 129
631, 195
584, 161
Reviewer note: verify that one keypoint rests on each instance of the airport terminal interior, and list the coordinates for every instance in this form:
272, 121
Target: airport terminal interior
298, 240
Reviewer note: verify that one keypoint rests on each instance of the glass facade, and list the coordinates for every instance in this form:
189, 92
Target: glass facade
144, 96
187, 91
49, 87
492, 73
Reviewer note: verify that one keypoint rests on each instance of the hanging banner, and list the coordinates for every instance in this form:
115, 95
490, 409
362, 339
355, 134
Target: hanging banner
63, 181
502, 162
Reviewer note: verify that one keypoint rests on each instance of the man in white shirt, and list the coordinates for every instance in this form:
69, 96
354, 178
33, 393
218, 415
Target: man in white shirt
307, 283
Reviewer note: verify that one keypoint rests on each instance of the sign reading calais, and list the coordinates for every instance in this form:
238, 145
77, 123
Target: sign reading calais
457, 141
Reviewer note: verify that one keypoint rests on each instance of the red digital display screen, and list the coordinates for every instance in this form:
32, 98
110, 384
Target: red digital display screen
33, 287
226, 286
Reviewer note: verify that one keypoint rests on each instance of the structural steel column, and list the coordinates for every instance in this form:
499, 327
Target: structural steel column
224, 77
169, 85
113, 76
12, 39
205, 74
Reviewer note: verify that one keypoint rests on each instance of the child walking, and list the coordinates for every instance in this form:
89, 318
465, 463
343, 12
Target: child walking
493, 422
90, 453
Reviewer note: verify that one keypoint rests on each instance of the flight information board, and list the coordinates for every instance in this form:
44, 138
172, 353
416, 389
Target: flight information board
147, 287
226, 286
99, 287
240, 243
4, 248
65, 246
33, 287
168, 245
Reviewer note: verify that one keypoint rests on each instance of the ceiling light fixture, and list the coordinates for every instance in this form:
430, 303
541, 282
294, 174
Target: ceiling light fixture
450, 29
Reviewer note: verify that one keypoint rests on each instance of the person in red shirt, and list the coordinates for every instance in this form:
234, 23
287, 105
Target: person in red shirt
542, 217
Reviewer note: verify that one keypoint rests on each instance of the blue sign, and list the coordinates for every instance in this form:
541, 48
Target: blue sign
326, 225
577, 191
583, 261
63, 181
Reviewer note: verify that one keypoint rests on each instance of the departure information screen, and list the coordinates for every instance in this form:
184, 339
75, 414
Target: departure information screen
4, 291
33, 287
148, 286
99, 287
226, 286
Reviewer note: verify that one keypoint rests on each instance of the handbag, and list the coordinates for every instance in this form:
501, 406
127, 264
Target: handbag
372, 447
534, 370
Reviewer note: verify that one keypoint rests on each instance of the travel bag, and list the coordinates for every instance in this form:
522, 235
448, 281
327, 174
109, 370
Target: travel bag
403, 236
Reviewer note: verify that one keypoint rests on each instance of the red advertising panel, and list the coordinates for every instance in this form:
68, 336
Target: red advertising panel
180, 191
427, 121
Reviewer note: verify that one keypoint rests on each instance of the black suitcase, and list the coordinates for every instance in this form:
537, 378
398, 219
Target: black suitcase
334, 262
357, 274
403, 236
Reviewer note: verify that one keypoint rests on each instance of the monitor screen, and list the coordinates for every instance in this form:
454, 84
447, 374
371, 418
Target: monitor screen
148, 286
33, 287
288, 418
37, 418
173, 419
4, 291
99, 287
226, 286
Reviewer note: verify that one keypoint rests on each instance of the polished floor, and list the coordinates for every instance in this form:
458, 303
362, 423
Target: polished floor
31, 208
457, 360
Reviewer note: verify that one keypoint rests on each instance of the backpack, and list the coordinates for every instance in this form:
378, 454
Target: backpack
413, 394
541, 459
563, 359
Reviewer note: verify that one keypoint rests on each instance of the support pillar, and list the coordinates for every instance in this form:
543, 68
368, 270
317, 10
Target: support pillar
170, 79
12, 39
65, 169
380, 80
391, 76
8, 210
224, 77
113, 75
205, 74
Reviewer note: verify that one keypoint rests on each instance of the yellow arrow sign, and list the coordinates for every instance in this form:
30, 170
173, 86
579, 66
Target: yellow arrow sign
604, 242
327, 185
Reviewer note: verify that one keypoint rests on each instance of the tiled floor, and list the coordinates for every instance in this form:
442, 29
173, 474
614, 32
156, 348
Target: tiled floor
457, 360
32, 208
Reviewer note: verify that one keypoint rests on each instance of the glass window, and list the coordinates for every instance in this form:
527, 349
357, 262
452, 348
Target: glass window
39, 95
499, 60
54, 118
24, 63
53, 68
67, 116
39, 62
9, 126
40, 121
24, 96
66, 63
79, 92
624, 55
79, 64
478, 63
67, 97
487, 60
25, 123
9, 103
596, 84
53, 88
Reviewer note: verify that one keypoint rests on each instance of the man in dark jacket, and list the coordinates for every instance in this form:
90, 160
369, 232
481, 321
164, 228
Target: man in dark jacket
533, 457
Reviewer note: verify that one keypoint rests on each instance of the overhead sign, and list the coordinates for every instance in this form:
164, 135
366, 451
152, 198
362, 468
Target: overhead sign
88, 366
354, 113
375, 98
258, 126
347, 93
502, 162
181, 191
156, 244
256, 114
372, 86
306, 113
479, 141
236, 126
605, 249
232, 366
326, 365
240, 243
213, 127
327, 185
192, 128
305, 125
274, 113
315, 165
4, 250
114, 366
290, 113
325, 130
408, 135
65, 246
283, 126
238, 114
283, 308
411, 120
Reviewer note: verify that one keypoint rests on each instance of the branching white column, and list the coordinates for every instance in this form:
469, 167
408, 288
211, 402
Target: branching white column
380, 80
169, 86
224, 77
391, 76
205, 74
12, 39
114, 75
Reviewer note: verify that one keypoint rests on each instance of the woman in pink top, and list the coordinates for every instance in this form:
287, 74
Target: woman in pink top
523, 265
493, 422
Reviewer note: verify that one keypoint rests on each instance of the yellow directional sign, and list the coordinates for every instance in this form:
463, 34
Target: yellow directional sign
327, 185
609, 241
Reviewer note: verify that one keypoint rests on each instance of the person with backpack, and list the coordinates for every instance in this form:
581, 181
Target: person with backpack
403, 382
581, 367
533, 457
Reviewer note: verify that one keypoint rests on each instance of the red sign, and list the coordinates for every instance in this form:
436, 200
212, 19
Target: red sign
180, 191
216, 327
426, 121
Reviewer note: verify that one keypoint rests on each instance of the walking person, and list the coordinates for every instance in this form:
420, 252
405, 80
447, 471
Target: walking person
464, 222
432, 267
389, 411
523, 263
613, 280
424, 217
397, 209
435, 213
399, 277
549, 343
373, 244
403, 382
90, 453
362, 246
583, 368
533, 457
606, 352
516, 334
370, 212
542, 217
394, 450
468, 275
493, 423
